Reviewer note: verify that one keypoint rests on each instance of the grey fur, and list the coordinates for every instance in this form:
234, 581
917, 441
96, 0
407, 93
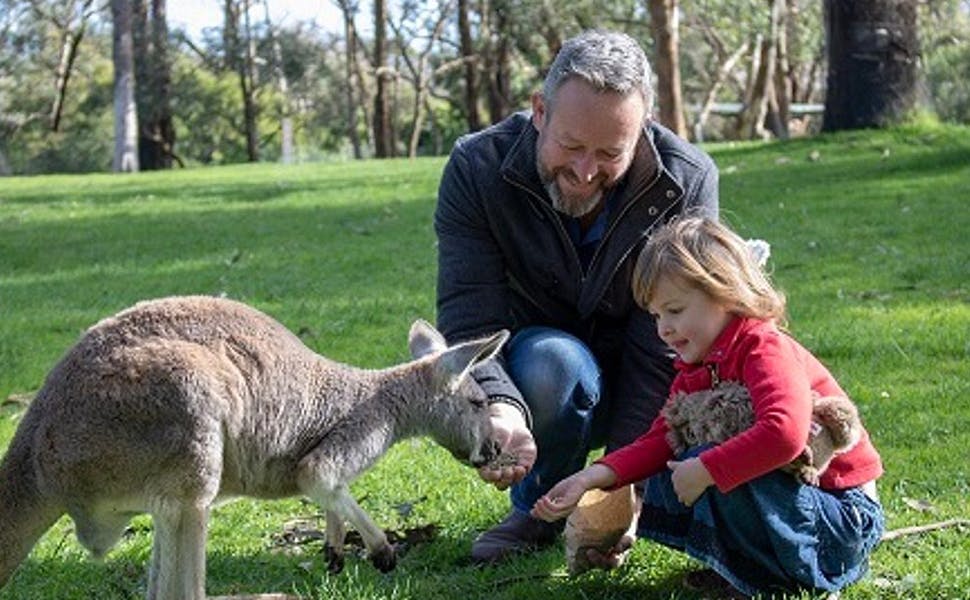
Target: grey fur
175, 403
713, 416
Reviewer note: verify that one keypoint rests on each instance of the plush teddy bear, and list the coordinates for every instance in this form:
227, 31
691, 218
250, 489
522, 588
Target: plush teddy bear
712, 416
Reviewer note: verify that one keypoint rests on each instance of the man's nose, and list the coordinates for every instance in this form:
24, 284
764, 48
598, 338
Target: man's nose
585, 167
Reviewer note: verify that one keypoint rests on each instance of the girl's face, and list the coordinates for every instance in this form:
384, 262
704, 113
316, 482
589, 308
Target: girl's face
688, 320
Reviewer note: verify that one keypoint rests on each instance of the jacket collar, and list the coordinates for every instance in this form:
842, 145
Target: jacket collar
721, 348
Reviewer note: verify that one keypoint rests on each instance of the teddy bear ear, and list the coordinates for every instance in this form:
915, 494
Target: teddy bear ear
760, 251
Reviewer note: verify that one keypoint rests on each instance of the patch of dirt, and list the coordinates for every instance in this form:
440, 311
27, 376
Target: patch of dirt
299, 534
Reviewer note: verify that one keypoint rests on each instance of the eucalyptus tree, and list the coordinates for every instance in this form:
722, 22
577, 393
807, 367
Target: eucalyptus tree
125, 107
873, 62
153, 78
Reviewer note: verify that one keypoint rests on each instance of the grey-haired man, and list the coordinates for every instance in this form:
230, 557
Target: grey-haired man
539, 221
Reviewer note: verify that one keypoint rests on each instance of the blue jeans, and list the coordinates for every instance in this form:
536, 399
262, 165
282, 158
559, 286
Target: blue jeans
560, 381
771, 533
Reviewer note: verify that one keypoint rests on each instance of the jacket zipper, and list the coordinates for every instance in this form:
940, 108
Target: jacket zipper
563, 236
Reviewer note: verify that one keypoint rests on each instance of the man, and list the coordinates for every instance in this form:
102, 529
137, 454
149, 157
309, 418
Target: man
539, 221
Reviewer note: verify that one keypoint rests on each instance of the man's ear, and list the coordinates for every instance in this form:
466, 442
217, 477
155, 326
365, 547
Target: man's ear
538, 111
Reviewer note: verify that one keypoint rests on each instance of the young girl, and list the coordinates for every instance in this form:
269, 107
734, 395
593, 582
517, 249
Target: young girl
728, 505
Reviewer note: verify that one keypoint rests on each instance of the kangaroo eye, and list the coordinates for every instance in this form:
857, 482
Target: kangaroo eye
477, 402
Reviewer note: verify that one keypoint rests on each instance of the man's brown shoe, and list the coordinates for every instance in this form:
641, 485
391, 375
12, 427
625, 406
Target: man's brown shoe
516, 534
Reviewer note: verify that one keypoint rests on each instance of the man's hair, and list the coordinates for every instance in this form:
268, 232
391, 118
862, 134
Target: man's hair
607, 60
705, 254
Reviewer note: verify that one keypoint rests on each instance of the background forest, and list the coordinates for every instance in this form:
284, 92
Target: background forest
96, 85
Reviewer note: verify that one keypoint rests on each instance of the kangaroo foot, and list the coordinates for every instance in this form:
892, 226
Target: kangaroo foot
384, 559
335, 559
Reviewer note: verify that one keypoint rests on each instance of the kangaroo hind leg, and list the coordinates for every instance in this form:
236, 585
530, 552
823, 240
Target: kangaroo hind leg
336, 535
177, 570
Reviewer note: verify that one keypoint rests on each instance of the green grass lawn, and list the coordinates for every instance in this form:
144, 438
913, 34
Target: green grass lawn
869, 232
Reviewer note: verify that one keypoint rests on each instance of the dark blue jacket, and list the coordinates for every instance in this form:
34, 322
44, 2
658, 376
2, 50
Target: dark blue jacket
505, 259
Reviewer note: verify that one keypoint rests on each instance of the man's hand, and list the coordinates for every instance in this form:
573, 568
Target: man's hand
514, 439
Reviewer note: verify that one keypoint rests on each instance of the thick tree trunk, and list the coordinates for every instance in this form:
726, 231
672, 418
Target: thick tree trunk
873, 52
663, 27
472, 115
125, 109
156, 131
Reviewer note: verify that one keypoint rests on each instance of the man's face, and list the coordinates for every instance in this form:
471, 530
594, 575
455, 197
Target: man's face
585, 144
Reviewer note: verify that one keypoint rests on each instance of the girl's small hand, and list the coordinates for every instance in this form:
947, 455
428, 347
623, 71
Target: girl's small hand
690, 478
559, 501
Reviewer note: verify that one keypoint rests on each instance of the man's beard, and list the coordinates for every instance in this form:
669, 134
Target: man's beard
571, 207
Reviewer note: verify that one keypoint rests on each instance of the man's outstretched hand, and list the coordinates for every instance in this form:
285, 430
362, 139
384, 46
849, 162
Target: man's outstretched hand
515, 440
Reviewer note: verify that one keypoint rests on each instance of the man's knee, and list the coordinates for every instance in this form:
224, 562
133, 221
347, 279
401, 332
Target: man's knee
554, 371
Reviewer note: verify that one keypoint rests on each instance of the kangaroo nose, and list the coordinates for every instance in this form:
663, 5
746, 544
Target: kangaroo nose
488, 452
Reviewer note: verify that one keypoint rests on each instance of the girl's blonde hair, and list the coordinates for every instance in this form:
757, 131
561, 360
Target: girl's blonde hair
707, 255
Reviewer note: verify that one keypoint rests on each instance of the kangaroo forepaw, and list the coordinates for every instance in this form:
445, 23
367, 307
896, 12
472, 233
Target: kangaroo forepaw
335, 559
808, 475
384, 559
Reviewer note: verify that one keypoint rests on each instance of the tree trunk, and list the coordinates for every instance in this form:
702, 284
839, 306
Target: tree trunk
383, 133
70, 40
247, 78
472, 115
873, 54
760, 99
125, 109
497, 61
722, 74
240, 57
784, 85
286, 120
349, 10
663, 27
156, 131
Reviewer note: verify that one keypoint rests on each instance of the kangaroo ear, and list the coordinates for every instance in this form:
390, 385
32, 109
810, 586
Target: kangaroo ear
455, 362
424, 339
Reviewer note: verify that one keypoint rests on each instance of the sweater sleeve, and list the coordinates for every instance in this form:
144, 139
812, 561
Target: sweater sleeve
472, 289
781, 396
645, 456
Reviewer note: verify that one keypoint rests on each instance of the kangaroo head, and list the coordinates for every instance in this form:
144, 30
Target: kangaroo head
459, 418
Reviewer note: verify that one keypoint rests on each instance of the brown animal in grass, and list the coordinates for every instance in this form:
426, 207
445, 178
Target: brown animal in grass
174, 404
715, 415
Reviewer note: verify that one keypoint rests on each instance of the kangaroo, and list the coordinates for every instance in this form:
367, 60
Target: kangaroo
176, 403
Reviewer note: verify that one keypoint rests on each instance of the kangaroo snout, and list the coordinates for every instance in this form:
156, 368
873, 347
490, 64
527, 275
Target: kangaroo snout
486, 453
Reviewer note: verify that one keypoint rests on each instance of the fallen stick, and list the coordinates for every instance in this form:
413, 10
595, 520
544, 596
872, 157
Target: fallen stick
915, 529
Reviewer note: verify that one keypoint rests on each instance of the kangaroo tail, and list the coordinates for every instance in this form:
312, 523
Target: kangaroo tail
25, 513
